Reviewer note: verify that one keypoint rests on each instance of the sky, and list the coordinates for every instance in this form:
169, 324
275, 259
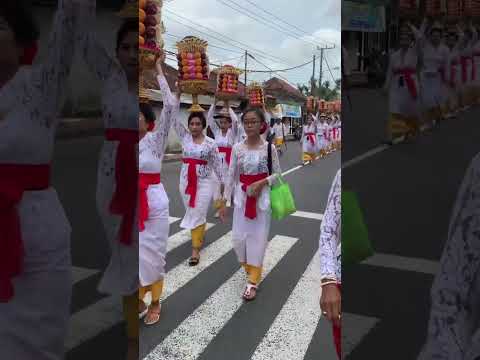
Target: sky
299, 27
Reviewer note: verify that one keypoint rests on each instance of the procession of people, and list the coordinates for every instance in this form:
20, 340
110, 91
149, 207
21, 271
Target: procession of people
432, 76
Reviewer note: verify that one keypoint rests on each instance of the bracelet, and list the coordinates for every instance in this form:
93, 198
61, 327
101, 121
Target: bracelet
329, 283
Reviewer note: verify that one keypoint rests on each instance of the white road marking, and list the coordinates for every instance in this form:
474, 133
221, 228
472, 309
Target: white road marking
91, 321
292, 170
354, 329
290, 334
308, 215
201, 327
179, 276
181, 238
172, 220
364, 156
80, 273
403, 263
106, 313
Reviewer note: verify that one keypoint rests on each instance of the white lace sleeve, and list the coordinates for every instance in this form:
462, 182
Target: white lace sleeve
100, 62
170, 110
451, 319
49, 79
180, 129
235, 123
215, 162
330, 233
232, 174
211, 121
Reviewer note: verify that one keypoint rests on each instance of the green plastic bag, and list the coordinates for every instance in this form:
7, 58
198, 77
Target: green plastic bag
281, 200
356, 246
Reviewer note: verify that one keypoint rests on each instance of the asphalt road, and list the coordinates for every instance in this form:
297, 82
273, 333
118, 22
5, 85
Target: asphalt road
407, 194
283, 323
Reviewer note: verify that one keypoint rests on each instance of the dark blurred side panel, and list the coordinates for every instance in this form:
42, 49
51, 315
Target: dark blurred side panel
410, 191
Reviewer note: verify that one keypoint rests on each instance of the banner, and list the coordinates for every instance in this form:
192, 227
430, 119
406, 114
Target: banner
363, 17
293, 111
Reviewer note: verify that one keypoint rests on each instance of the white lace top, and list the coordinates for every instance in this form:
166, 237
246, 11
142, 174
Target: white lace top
152, 145
454, 327
251, 162
30, 102
207, 151
330, 242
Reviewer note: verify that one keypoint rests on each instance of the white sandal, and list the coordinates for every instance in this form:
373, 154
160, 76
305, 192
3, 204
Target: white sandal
248, 292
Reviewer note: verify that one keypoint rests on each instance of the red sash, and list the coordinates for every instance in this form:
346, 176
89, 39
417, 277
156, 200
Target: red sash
251, 204
408, 73
311, 137
144, 182
192, 178
227, 151
15, 180
126, 174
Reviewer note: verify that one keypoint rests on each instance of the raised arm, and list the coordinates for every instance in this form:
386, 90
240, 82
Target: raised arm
101, 63
211, 120
171, 109
330, 235
180, 129
49, 79
235, 123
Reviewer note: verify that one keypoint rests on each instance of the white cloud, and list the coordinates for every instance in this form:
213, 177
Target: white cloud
321, 19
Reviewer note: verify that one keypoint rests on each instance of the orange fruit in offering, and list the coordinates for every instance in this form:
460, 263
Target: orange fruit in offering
142, 4
142, 15
141, 40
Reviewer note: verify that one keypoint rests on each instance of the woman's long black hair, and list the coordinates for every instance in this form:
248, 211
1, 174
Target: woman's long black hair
19, 18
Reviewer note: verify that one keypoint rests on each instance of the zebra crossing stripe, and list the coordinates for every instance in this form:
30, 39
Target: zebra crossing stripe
201, 327
80, 273
106, 313
308, 215
354, 328
181, 238
172, 220
179, 276
403, 263
292, 330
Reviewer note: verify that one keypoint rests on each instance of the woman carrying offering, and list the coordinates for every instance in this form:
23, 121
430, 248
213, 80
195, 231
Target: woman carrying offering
402, 86
35, 260
249, 178
153, 201
201, 161
226, 133
309, 140
117, 178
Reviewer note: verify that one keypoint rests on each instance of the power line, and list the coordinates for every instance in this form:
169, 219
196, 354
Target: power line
253, 50
246, 12
285, 22
273, 71
209, 44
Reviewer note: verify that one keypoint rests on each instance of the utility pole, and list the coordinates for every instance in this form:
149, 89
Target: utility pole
246, 64
313, 75
322, 49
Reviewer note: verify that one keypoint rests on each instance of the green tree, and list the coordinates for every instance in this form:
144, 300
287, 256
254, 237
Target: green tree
326, 91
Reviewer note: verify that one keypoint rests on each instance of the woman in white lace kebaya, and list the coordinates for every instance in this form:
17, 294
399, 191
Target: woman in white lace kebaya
309, 140
35, 262
117, 178
153, 200
249, 179
226, 133
201, 162
454, 328
330, 250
